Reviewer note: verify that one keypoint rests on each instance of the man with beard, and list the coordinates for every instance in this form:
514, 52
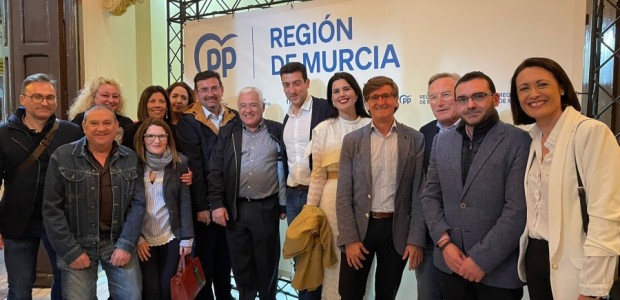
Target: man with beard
474, 201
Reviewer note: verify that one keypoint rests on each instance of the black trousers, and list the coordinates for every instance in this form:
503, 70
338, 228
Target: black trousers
212, 249
456, 287
159, 269
537, 270
254, 243
390, 265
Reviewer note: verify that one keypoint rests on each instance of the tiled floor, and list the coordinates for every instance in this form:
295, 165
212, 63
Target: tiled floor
44, 293
286, 291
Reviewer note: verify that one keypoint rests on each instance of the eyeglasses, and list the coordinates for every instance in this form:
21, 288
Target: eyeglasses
151, 137
385, 97
477, 97
445, 96
38, 98
211, 90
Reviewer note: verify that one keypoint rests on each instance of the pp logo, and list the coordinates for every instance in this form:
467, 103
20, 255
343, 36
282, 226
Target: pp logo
404, 99
222, 57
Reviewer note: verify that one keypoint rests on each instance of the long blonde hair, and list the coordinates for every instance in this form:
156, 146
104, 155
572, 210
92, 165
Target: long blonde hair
86, 98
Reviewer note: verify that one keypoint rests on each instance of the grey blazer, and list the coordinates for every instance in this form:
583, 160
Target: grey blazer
355, 193
486, 215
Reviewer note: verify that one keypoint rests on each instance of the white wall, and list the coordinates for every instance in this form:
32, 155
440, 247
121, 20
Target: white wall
108, 48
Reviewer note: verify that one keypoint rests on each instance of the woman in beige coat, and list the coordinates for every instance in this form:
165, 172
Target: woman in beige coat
557, 259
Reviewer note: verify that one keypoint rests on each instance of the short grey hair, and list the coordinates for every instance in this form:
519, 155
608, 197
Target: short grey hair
254, 89
437, 76
37, 77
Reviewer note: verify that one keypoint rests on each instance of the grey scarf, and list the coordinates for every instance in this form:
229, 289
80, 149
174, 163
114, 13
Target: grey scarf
156, 162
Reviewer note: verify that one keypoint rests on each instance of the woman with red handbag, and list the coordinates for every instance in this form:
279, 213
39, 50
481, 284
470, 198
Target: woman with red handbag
167, 230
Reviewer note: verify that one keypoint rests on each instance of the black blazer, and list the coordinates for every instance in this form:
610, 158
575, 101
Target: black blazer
429, 130
178, 200
321, 110
225, 165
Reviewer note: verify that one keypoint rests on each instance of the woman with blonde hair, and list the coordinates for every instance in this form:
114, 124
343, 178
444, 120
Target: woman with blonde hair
99, 91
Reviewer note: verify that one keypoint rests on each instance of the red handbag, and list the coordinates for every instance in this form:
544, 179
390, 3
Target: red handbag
189, 279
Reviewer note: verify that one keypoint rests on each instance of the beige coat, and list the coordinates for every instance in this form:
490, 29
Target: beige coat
598, 159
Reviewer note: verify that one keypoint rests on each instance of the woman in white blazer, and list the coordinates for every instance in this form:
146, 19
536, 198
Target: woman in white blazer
556, 258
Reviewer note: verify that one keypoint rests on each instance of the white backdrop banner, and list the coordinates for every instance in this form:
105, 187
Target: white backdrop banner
403, 39
406, 40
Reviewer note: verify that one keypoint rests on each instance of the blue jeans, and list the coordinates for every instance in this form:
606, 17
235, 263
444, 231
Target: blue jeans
20, 257
123, 282
295, 201
428, 278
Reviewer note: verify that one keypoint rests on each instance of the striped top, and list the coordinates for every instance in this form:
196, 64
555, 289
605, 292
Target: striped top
156, 228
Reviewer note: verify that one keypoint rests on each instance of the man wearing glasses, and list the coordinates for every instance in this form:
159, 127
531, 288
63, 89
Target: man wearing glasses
21, 223
196, 134
379, 207
474, 202
441, 99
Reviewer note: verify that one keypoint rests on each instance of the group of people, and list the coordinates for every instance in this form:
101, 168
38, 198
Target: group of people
475, 206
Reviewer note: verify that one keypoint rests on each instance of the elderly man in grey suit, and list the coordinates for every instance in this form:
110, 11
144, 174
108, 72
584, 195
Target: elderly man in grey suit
474, 202
378, 204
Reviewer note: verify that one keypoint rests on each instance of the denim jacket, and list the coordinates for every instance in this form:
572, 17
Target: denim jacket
71, 201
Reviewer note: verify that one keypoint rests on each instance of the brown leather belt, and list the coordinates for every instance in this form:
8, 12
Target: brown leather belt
332, 175
301, 188
382, 215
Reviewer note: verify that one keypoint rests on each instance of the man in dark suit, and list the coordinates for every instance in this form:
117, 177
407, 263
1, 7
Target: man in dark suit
441, 99
378, 208
196, 134
304, 113
474, 201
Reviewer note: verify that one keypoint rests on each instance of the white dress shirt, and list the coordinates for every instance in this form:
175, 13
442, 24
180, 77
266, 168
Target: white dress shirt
383, 160
296, 137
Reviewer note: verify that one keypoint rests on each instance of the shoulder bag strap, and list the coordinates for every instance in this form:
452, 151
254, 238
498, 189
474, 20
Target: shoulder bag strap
585, 218
39, 150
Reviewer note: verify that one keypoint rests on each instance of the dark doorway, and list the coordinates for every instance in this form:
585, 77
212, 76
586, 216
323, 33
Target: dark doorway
41, 37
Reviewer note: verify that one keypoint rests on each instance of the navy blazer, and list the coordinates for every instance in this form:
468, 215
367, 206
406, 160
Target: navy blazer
429, 130
321, 110
485, 215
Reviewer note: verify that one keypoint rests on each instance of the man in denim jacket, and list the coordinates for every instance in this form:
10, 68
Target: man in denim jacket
93, 209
